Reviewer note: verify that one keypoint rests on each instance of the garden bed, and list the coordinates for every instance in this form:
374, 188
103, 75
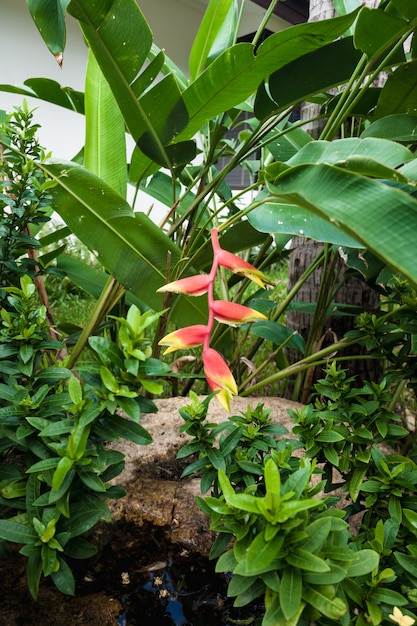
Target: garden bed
152, 566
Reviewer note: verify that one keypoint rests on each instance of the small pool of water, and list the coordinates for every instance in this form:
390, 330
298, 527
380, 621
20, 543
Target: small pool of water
161, 585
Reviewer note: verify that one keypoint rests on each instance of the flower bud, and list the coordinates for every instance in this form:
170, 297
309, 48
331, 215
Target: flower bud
217, 371
188, 337
190, 286
232, 313
242, 268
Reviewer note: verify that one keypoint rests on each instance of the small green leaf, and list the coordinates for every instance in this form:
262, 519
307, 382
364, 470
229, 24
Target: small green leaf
334, 608
272, 477
75, 390
366, 561
49, 559
92, 481
290, 592
355, 482
44, 465
63, 578
17, 533
260, 555
116, 427
408, 562
304, 560
62, 469
388, 596
226, 562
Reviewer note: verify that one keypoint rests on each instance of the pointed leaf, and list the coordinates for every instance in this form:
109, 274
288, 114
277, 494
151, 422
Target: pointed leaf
214, 20
49, 17
355, 204
400, 92
50, 91
366, 561
236, 74
290, 592
334, 608
105, 144
304, 560
260, 555
317, 71
398, 127
130, 246
377, 31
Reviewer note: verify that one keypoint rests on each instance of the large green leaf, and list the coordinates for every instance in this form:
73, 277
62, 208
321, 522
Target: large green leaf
401, 127
386, 153
290, 591
49, 17
370, 156
129, 245
379, 216
377, 31
121, 40
220, 16
321, 69
105, 143
50, 91
236, 74
18, 533
400, 92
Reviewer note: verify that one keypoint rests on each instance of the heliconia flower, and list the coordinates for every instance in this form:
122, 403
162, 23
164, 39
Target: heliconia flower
224, 397
191, 286
217, 371
233, 313
188, 337
242, 268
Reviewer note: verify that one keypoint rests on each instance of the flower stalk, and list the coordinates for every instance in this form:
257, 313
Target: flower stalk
218, 375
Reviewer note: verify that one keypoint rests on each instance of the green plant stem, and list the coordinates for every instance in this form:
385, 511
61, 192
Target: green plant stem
319, 358
110, 295
281, 308
273, 354
264, 22
355, 88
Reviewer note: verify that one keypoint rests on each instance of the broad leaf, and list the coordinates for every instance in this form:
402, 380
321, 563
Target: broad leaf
120, 39
105, 143
290, 591
219, 19
319, 70
334, 608
356, 205
400, 92
50, 91
49, 17
130, 246
278, 334
260, 555
366, 561
399, 127
377, 31
17, 533
237, 73
301, 559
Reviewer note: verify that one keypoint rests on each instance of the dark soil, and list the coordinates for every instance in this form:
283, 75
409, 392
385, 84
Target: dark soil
133, 581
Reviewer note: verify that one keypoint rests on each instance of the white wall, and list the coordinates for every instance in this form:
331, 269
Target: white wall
24, 55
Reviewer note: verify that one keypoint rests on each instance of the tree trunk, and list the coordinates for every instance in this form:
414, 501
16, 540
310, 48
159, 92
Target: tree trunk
352, 291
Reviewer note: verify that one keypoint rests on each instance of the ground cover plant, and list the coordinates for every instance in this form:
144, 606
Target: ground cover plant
355, 193
288, 524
